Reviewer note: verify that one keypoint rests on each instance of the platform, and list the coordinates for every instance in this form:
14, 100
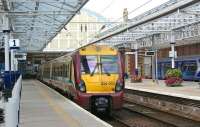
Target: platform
43, 107
189, 90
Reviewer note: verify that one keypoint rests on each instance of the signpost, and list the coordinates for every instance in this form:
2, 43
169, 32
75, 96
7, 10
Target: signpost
20, 56
14, 43
150, 53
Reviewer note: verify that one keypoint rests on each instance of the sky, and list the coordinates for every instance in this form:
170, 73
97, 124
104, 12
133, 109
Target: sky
113, 9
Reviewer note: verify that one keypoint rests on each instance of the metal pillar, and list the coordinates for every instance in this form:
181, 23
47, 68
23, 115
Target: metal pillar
173, 54
136, 59
153, 68
12, 60
16, 65
6, 49
156, 60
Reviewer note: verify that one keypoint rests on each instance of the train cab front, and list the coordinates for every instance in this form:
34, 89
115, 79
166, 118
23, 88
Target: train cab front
101, 83
100, 98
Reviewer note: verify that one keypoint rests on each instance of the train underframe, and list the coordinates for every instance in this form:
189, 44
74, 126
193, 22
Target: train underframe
100, 102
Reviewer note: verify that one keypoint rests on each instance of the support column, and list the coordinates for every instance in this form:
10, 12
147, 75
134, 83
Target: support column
136, 59
173, 53
156, 75
16, 64
12, 60
6, 49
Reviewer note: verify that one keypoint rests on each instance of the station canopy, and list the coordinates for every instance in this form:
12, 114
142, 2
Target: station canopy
37, 22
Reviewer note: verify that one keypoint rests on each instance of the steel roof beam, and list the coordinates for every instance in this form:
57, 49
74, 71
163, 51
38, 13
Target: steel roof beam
156, 15
6, 5
30, 1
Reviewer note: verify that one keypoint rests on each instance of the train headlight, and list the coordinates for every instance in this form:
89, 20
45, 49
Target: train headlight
82, 87
118, 87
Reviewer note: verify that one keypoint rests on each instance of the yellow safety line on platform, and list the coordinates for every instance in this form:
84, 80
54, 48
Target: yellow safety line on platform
58, 109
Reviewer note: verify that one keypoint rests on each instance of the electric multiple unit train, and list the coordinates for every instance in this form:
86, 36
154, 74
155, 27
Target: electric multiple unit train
190, 67
91, 76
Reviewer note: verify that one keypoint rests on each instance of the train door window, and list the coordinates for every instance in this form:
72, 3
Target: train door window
60, 70
68, 70
109, 64
52, 72
71, 68
64, 70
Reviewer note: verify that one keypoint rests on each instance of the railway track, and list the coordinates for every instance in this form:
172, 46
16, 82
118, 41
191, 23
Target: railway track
169, 118
130, 118
134, 115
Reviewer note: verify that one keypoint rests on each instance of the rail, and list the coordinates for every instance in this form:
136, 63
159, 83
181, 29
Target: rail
12, 107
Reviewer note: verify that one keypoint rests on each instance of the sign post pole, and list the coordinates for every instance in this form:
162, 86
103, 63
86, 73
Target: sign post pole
172, 53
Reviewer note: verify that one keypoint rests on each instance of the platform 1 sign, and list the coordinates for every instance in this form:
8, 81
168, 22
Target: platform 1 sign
14, 43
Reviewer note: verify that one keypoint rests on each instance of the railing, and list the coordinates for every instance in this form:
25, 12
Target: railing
12, 107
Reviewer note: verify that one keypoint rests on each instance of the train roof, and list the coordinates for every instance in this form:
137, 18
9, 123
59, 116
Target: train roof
87, 50
180, 58
98, 50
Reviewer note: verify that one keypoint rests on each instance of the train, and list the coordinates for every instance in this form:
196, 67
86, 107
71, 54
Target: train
27, 69
92, 76
189, 66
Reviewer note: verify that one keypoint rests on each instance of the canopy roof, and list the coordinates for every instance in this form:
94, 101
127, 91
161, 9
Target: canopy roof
37, 22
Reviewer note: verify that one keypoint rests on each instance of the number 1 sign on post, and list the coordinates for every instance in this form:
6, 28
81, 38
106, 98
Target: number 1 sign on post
14, 43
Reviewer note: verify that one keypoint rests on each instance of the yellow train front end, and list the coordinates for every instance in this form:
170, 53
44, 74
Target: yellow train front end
101, 78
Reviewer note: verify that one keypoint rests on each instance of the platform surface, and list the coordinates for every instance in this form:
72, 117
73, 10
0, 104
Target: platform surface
189, 90
43, 107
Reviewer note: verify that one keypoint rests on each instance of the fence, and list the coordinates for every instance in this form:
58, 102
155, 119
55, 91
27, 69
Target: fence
12, 107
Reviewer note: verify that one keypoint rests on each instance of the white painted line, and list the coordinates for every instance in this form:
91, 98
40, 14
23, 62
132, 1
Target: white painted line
72, 103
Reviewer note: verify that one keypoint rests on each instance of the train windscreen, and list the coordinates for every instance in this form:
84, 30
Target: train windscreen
89, 65
109, 64
92, 64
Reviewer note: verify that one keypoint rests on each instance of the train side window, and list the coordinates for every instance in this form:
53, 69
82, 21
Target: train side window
192, 68
71, 72
184, 68
61, 71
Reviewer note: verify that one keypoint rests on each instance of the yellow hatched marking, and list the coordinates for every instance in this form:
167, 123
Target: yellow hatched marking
58, 109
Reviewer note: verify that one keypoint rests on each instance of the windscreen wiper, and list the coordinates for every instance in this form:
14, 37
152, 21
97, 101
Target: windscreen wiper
94, 69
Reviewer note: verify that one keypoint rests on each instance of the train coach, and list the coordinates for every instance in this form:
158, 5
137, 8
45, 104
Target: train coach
189, 66
91, 76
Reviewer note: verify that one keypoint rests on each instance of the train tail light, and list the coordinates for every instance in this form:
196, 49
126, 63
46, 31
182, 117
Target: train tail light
82, 86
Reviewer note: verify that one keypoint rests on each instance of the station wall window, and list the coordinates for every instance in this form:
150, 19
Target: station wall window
81, 28
85, 27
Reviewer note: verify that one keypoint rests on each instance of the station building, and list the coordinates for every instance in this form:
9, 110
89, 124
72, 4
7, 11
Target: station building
84, 26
